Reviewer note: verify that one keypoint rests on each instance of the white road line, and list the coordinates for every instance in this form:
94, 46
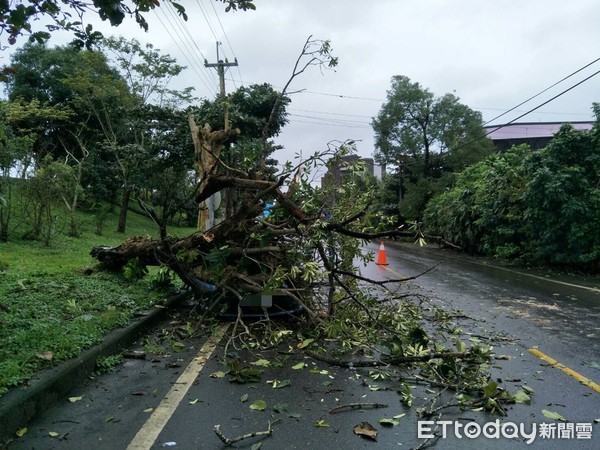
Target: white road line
149, 432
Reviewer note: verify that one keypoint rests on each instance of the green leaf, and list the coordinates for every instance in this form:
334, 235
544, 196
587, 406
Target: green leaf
244, 398
553, 415
299, 366
490, 389
259, 405
528, 389
261, 363
321, 424
218, 374
305, 343
278, 384
280, 407
389, 422
522, 397
460, 346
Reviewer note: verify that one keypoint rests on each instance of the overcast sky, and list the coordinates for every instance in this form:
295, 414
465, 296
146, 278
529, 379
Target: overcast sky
491, 54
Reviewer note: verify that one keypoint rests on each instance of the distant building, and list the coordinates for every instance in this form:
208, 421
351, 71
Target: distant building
336, 173
536, 134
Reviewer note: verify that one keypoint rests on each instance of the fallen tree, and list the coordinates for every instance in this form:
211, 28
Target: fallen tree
290, 238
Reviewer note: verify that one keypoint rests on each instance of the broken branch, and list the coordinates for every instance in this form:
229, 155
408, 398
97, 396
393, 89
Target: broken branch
230, 441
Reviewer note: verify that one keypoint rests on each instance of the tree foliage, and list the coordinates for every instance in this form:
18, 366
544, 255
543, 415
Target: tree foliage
19, 18
534, 207
120, 119
424, 138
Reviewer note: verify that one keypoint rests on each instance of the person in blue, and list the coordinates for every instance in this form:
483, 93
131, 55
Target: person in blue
267, 211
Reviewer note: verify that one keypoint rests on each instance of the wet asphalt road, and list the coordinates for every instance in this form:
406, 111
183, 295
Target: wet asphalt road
521, 310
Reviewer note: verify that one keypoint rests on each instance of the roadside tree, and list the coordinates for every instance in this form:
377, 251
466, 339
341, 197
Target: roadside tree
425, 138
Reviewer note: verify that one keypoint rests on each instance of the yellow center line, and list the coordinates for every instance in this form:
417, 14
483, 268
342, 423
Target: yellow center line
149, 432
565, 369
394, 272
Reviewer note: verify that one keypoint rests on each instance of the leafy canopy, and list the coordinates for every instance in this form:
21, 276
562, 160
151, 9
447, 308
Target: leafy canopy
20, 18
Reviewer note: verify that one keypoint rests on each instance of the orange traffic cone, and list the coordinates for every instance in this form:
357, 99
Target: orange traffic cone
381, 258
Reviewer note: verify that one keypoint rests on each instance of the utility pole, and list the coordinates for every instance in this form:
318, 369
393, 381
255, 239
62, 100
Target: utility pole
213, 203
220, 66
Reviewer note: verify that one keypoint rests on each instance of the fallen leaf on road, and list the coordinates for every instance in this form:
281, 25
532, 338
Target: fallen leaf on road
553, 415
259, 405
321, 424
298, 366
522, 397
193, 402
278, 384
218, 374
261, 363
389, 422
305, 343
280, 407
53, 434
367, 430
75, 399
527, 389
244, 398
147, 410
21, 432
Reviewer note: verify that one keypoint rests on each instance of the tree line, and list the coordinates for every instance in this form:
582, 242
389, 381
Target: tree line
102, 125
530, 207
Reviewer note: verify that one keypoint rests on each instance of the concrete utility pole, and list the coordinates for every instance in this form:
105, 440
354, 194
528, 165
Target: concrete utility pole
220, 65
213, 203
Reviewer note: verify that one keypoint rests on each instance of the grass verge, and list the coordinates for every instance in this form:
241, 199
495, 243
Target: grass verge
54, 304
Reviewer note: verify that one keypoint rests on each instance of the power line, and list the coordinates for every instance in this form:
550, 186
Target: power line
330, 113
329, 124
332, 121
541, 92
207, 21
182, 26
212, 4
528, 112
183, 52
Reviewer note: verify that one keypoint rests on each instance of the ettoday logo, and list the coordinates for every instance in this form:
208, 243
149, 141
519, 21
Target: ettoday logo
427, 429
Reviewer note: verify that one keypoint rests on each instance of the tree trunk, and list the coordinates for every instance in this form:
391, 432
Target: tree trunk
123, 213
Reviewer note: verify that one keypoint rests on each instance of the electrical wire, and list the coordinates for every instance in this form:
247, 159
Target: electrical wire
207, 21
541, 92
201, 75
182, 26
526, 113
212, 4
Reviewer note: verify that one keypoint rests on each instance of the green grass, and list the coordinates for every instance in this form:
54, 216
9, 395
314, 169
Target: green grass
55, 304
